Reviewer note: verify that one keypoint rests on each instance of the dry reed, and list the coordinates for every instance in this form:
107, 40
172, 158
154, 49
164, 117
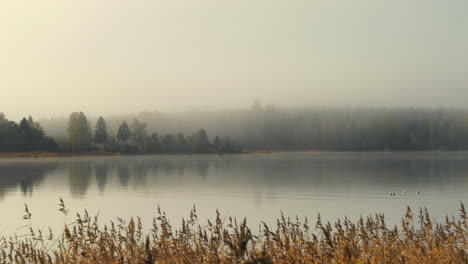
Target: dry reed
369, 240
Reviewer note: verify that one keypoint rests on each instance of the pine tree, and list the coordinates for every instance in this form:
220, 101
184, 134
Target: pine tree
100, 135
200, 142
124, 133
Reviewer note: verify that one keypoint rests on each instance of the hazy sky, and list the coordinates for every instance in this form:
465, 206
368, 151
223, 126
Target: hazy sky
114, 56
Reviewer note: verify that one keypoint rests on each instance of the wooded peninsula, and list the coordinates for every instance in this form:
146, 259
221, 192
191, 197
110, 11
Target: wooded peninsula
29, 136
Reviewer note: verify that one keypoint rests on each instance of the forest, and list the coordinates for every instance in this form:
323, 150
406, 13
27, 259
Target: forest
336, 129
29, 135
257, 128
134, 138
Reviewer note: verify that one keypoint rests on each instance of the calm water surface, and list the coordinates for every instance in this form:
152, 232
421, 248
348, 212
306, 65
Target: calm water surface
258, 187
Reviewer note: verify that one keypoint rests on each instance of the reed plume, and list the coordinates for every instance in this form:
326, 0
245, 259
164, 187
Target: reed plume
227, 240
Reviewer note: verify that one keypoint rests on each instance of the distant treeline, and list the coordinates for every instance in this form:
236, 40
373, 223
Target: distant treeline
25, 136
270, 128
354, 129
29, 135
135, 138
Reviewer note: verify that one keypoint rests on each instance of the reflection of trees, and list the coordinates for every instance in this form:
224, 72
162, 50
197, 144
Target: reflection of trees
79, 177
101, 170
278, 171
354, 169
168, 168
180, 169
24, 175
202, 169
139, 172
124, 174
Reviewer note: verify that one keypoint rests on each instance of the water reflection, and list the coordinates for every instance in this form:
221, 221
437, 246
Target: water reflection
24, 175
101, 170
79, 177
264, 178
124, 174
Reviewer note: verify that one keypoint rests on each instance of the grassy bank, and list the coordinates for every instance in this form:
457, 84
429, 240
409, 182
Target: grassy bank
226, 240
44, 154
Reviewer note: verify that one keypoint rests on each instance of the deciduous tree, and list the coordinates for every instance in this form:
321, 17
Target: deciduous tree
79, 132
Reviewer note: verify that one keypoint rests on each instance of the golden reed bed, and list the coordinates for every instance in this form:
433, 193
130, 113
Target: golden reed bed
225, 240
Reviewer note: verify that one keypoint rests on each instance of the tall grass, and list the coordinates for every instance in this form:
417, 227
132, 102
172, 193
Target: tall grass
226, 240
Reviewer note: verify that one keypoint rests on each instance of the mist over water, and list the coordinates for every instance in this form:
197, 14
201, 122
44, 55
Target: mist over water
258, 187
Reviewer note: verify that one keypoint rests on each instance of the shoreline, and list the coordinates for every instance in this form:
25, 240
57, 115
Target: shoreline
45, 154
285, 151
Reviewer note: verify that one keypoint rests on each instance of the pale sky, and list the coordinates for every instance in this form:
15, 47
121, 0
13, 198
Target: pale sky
116, 56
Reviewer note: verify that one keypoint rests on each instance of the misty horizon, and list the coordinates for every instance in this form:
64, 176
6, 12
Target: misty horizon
114, 57
194, 111
206, 131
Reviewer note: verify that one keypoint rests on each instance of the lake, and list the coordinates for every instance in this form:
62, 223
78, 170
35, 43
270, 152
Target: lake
256, 186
